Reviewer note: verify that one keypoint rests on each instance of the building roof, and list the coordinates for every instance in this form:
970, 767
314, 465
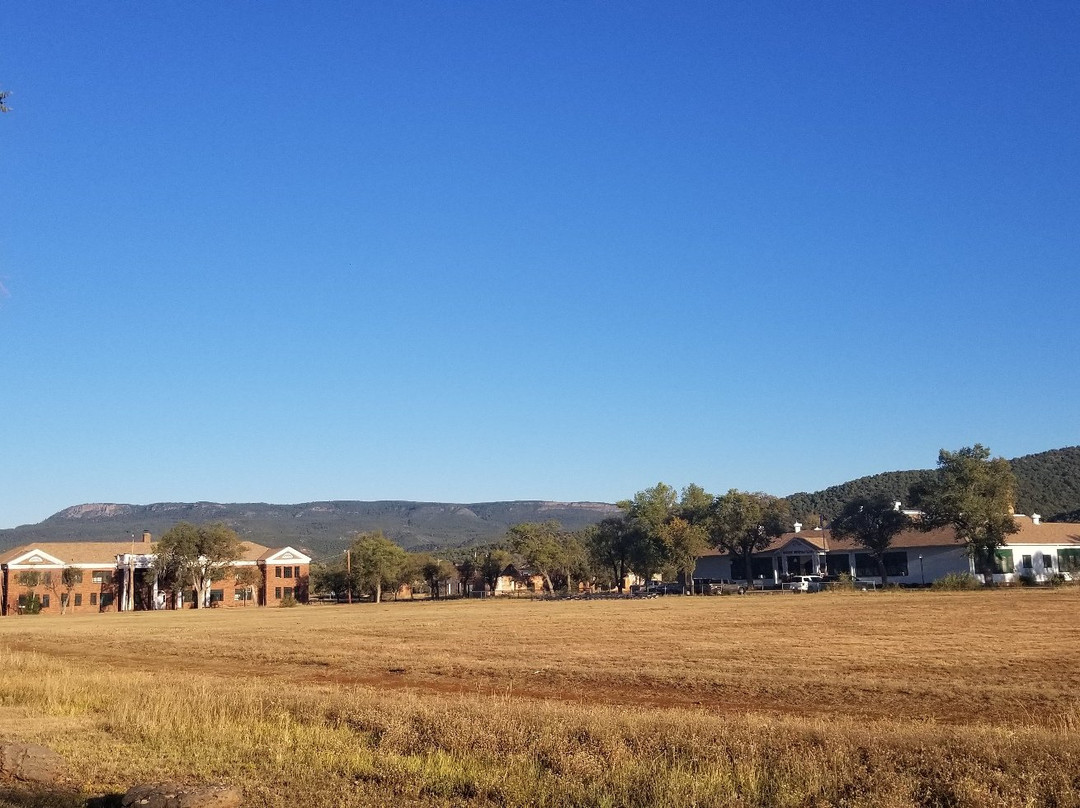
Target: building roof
105, 552
1030, 533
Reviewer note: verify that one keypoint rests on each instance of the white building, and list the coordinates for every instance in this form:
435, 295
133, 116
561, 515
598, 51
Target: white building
1038, 550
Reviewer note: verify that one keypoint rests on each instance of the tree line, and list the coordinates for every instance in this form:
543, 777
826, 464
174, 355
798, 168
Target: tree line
661, 530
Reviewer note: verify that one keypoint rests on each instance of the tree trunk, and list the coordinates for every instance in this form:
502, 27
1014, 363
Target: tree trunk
881, 569
547, 582
749, 570
378, 591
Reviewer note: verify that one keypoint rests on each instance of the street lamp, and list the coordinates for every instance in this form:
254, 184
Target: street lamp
922, 572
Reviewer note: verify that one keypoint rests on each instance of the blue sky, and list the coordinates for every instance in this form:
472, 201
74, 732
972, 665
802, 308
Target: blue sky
480, 251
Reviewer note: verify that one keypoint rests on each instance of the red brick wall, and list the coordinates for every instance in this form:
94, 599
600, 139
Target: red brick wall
282, 577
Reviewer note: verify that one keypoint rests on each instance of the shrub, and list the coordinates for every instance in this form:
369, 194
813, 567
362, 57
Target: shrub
844, 581
957, 581
287, 602
30, 604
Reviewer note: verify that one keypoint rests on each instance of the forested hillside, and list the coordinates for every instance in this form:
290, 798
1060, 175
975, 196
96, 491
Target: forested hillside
1048, 483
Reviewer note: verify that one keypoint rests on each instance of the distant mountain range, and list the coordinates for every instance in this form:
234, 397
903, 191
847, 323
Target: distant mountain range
320, 527
1048, 483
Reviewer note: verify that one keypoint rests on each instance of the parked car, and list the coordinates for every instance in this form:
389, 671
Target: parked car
807, 583
719, 586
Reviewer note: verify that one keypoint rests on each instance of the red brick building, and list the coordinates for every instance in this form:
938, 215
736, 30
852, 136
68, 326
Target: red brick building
84, 577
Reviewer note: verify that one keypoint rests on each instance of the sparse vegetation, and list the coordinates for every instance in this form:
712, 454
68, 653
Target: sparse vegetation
349, 706
957, 582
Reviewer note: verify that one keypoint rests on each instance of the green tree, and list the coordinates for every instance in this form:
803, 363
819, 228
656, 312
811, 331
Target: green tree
649, 513
466, 571
492, 566
70, 578
685, 543
611, 544
973, 494
542, 547
248, 580
4, 95
873, 522
194, 556
744, 523
377, 562
30, 603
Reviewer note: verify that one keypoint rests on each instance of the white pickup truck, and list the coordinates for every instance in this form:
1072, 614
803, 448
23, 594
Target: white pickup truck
807, 583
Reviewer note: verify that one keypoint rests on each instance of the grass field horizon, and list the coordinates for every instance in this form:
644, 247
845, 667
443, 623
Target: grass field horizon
882, 698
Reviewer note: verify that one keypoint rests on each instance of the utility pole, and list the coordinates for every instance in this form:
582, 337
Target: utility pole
348, 575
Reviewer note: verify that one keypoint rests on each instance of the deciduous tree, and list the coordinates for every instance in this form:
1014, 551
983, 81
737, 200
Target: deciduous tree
70, 577
492, 566
377, 562
195, 556
611, 545
973, 494
873, 522
745, 523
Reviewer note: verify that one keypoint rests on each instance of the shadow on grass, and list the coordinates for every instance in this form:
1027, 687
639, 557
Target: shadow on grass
28, 796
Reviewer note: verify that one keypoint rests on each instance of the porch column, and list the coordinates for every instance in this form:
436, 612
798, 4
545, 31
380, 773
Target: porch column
775, 571
153, 594
123, 589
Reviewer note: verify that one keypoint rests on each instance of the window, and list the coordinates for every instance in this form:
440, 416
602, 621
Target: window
277, 572
288, 572
838, 563
1068, 560
93, 598
1003, 562
1047, 561
296, 572
287, 591
217, 595
759, 567
45, 600
1025, 562
106, 599
101, 576
46, 578
189, 596
277, 592
896, 564
78, 599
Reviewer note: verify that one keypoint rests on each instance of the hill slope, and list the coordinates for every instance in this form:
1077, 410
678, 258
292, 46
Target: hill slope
322, 527
1048, 483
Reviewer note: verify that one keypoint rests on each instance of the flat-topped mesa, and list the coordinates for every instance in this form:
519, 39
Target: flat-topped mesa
95, 510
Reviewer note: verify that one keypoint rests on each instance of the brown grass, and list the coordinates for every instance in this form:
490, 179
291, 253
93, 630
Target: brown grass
833, 699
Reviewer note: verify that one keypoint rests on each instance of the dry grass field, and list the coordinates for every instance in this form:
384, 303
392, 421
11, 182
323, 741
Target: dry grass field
855, 699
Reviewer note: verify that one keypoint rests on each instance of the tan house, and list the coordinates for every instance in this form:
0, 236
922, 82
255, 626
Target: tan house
118, 576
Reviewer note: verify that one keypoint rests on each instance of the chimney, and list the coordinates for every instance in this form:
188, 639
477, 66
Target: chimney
896, 505
798, 526
146, 537
1036, 518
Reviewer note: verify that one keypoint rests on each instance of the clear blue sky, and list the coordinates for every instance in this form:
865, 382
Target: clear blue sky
477, 251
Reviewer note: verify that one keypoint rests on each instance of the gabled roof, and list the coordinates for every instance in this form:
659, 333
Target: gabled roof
76, 552
278, 555
105, 552
1029, 533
